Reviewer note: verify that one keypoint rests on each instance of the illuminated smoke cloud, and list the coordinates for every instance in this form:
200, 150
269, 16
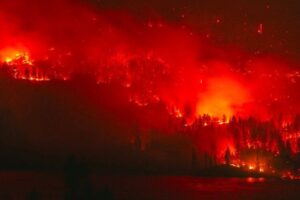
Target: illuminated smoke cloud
155, 60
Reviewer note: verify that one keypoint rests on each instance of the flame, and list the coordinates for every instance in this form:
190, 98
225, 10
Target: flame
21, 66
261, 169
223, 97
10, 56
251, 167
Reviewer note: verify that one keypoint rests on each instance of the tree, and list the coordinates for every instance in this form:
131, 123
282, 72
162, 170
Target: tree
288, 148
194, 158
138, 143
298, 145
227, 156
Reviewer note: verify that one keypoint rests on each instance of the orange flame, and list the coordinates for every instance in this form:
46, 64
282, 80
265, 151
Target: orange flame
223, 98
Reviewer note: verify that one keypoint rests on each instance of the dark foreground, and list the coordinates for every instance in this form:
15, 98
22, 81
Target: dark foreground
40, 185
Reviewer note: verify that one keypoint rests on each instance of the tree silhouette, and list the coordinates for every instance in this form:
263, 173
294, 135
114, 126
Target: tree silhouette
227, 156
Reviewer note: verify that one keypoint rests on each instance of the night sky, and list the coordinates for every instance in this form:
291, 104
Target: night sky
234, 23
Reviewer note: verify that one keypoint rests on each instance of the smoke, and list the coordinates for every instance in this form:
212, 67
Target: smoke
153, 60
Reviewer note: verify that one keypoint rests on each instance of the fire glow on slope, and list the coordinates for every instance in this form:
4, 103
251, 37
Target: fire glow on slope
156, 63
20, 65
224, 96
161, 62
217, 97
9, 55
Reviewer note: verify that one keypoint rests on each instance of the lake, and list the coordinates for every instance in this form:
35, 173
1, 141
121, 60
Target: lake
17, 185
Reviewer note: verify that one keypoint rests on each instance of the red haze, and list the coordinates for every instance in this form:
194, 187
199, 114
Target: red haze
155, 62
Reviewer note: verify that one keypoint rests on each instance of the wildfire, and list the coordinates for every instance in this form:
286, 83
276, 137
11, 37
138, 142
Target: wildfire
15, 57
216, 105
202, 89
177, 113
261, 168
20, 65
223, 97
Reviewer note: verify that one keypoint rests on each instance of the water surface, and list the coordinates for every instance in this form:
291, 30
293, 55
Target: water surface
16, 185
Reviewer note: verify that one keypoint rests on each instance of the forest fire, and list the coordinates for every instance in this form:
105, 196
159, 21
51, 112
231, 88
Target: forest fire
231, 103
19, 65
10, 56
252, 146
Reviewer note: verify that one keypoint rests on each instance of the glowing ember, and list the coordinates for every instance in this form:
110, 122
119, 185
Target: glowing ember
261, 170
251, 167
260, 29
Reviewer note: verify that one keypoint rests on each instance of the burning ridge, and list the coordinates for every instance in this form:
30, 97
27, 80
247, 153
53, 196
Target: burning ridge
207, 88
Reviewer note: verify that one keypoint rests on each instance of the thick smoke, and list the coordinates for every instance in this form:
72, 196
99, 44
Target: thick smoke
156, 60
